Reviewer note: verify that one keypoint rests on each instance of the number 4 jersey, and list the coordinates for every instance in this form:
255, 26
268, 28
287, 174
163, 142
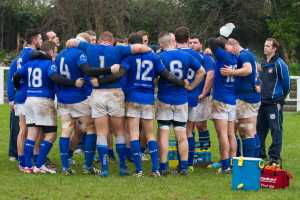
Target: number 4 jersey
68, 62
38, 72
178, 63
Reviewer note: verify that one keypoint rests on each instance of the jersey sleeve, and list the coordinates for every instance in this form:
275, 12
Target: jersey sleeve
223, 56
52, 69
84, 46
10, 85
244, 58
284, 77
194, 64
82, 59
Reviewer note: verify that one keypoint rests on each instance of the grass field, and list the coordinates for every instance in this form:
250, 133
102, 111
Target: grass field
203, 184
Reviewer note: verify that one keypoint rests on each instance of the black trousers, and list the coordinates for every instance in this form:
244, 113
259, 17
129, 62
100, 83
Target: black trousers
270, 117
14, 131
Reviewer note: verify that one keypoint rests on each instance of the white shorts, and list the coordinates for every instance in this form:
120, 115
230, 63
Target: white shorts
246, 110
201, 112
20, 109
223, 111
75, 110
40, 111
177, 113
137, 110
107, 102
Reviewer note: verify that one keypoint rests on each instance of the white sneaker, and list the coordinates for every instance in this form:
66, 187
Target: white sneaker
12, 159
43, 170
37, 170
78, 151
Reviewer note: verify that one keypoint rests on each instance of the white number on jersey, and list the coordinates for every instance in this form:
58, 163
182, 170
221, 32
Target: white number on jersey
230, 79
101, 61
35, 77
64, 68
176, 68
148, 66
191, 74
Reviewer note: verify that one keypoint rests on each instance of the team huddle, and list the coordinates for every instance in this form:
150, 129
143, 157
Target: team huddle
105, 88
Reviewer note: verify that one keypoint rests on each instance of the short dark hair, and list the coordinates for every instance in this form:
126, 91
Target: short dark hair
182, 34
48, 46
30, 35
135, 38
196, 37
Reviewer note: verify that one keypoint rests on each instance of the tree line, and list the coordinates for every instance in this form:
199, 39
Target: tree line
255, 20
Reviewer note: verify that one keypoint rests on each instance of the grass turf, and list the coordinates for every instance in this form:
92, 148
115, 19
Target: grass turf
203, 184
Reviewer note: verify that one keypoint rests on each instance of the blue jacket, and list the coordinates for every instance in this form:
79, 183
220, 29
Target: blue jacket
275, 81
10, 85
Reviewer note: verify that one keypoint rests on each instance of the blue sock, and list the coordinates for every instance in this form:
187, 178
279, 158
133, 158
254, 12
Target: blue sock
183, 165
225, 163
238, 149
136, 154
249, 145
163, 166
191, 142
89, 149
204, 139
28, 152
153, 150
121, 151
21, 159
64, 144
103, 156
257, 146
44, 150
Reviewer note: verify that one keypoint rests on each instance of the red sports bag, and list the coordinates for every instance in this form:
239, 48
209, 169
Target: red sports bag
274, 177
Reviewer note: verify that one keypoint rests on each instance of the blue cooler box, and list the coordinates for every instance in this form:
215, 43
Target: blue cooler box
246, 173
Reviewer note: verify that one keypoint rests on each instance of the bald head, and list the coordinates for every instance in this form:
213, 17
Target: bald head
233, 46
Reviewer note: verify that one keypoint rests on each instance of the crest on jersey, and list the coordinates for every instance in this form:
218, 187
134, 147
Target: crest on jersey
53, 68
83, 57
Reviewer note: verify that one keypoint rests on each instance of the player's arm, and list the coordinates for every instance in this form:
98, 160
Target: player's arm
91, 71
245, 70
284, 78
198, 77
200, 72
139, 48
172, 78
63, 81
17, 79
10, 84
208, 83
108, 79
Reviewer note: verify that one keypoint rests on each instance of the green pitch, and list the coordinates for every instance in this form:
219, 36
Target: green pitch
203, 184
